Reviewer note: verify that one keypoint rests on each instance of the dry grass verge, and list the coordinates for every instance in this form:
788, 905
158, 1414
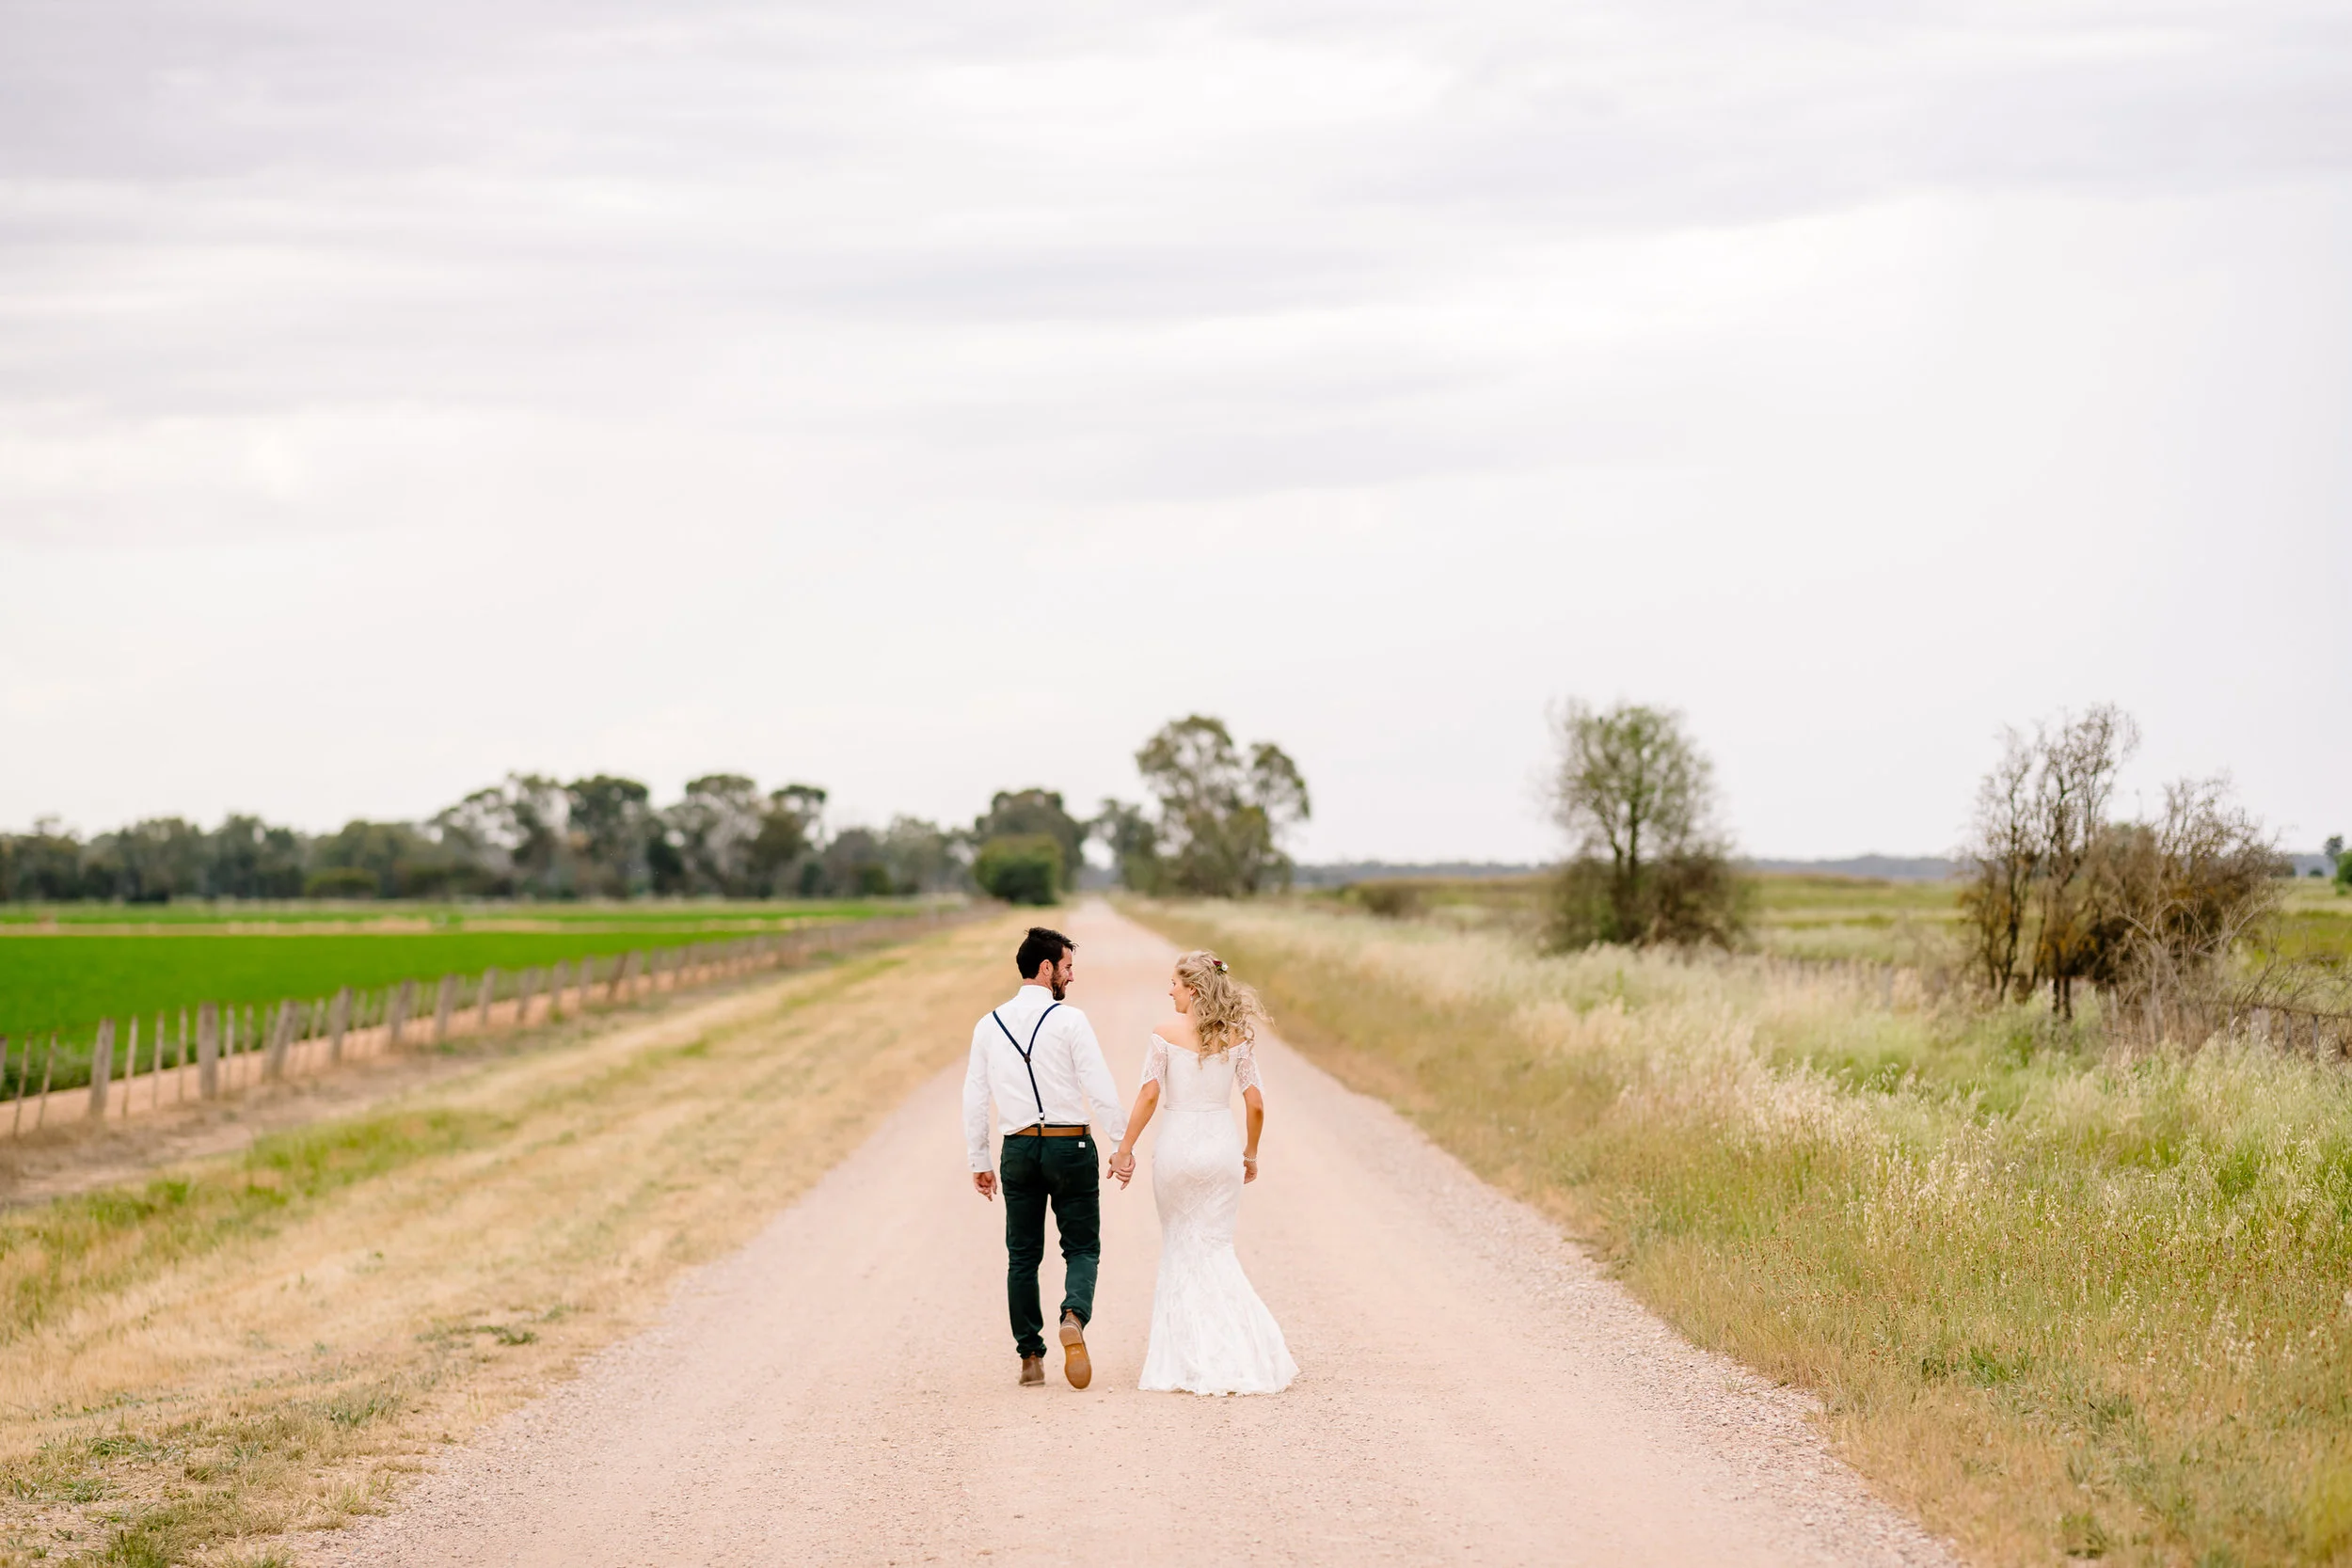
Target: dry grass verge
202, 1367
2058, 1305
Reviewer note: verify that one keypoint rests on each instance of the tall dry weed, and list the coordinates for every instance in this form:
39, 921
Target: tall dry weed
2057, 1299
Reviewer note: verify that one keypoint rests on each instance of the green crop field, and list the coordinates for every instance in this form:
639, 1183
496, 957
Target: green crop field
63, 968
700, 914
1801, 916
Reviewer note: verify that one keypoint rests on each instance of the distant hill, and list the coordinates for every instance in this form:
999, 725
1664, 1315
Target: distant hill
1885, 868
1340, 873
1891, 868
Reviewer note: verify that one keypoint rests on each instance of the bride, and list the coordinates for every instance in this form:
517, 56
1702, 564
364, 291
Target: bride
1210, 1333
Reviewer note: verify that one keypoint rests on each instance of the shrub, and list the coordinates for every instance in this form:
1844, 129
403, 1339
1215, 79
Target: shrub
342, 881
1388, 900
1022, 868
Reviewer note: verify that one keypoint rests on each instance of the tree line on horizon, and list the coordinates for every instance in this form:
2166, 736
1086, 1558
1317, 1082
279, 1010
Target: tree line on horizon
1215, 828
528, 836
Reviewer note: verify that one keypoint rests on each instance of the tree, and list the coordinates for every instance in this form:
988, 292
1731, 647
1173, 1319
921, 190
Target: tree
253, 860
44, 865
2003, 857
394, 854
1024, 868
922, 857
150, 862
855, 865
512, 832
714, 827
2074, 780
1133, 840
1637, 799
2173, 897
2061, 893
1019, 812
1221, 818
787, 833
611, 819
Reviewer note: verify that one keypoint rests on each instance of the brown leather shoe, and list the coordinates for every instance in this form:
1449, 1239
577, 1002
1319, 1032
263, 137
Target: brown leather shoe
1033, 1372
1074, 1351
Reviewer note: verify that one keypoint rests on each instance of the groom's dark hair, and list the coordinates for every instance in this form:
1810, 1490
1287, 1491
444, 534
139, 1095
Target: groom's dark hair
1042, 946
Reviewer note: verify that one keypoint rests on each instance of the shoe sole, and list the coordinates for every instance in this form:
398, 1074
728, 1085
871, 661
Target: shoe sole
1075, 1363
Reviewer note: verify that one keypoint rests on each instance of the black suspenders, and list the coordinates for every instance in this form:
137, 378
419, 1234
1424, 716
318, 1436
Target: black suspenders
1027, 1053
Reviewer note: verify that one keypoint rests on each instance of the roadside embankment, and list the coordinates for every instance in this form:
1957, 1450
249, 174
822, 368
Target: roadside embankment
2055, 1303
266, 1341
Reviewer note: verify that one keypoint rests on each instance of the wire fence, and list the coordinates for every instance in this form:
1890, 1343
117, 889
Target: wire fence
207, 1049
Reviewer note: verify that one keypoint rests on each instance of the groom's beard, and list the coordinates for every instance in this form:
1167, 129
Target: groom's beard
1058, 992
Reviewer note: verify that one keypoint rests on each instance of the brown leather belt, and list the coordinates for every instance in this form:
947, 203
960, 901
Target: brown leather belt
1049, 1132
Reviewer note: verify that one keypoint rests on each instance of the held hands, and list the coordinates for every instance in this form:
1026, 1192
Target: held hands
984, 1183
1248, 1169
1122, 1166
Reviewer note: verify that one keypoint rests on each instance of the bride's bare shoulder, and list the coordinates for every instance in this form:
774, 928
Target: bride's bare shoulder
1176, 1030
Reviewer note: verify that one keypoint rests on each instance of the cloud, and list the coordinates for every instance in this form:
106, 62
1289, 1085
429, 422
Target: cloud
612, 386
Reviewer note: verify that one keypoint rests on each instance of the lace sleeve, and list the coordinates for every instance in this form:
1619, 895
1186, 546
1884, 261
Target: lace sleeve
1245, 1065
1155, 1063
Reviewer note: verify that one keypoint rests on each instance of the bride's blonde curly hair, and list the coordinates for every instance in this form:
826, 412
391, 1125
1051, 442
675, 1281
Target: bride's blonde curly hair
1225, 1012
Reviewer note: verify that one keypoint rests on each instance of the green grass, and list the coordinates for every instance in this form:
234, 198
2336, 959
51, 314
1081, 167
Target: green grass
691, 914
1804, 916
64, 982
2058, 1301
1794, 915
61, 1253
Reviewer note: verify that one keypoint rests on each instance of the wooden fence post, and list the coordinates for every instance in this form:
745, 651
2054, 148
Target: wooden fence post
587, 977
101, 1066
155, 1093
337, 1020
208, 1050
280, 1041
130, 1065
396, 1012
557, 976
524, 987
482, 1008
442, 1005
48, 1071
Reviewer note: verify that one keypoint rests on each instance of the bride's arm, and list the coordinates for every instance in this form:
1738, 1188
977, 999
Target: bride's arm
1254, 1103
1123, 1157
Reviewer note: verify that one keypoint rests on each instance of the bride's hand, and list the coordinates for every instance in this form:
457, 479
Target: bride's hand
1248, 1168
1122, 1166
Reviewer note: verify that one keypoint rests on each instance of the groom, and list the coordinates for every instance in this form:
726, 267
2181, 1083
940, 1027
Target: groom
1036, 1058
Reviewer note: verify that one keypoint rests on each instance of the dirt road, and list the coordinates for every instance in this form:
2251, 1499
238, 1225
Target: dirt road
842, 1390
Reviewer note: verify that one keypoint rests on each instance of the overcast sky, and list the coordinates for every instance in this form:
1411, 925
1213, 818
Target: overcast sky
922, 399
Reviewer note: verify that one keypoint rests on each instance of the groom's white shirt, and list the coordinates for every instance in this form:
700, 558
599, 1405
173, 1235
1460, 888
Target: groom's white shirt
1070, 1075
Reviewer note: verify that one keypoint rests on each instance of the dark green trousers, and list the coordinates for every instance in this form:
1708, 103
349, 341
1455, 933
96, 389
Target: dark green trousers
1035, 1172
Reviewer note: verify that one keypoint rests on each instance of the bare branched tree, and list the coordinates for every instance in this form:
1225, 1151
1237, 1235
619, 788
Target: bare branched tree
2061, 892
2003, 857
2073, 787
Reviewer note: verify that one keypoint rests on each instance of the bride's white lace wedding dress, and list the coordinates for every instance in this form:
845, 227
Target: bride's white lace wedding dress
1210, 1333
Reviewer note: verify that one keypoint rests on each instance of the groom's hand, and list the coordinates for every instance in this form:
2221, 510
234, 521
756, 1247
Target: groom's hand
1123, 1172
984, 1183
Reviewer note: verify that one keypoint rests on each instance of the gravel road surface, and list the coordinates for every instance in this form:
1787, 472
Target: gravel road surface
842, 1390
